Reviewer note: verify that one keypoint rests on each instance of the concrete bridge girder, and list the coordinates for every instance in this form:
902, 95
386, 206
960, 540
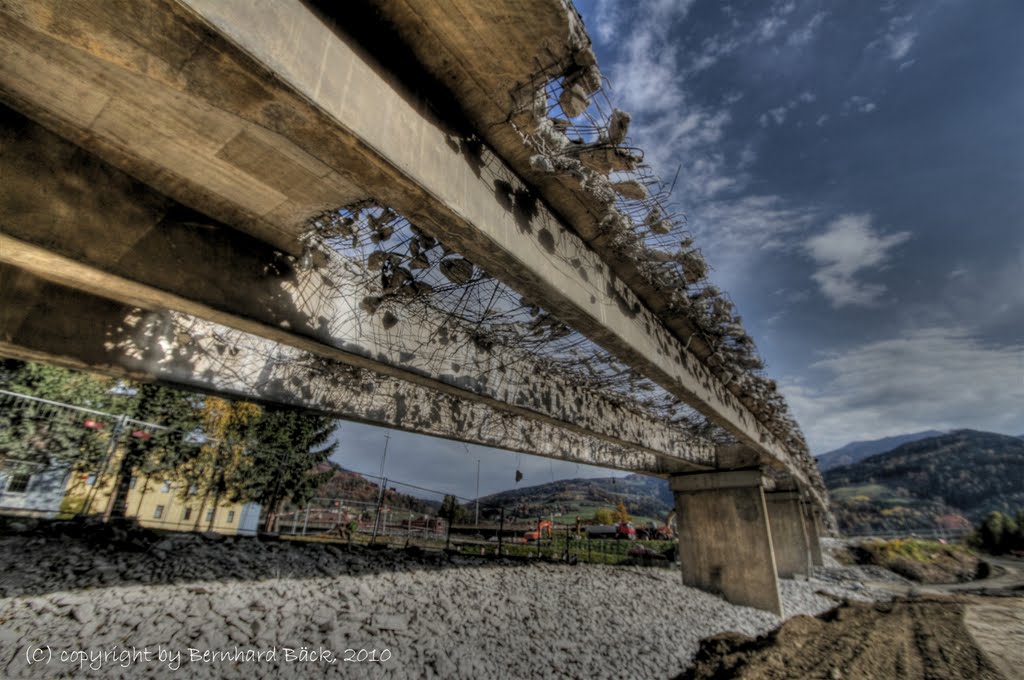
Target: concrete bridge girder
131, 244
206, 100
44, 321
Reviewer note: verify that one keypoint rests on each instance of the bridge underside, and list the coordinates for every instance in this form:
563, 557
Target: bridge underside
237, 197
44, 321
123, 241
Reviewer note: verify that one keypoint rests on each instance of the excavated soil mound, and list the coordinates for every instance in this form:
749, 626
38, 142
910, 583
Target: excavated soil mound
899, 640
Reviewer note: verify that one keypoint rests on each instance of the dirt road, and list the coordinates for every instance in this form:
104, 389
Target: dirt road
964, 630
899, 640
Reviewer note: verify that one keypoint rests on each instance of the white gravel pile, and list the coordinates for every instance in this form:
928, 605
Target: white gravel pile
459, 619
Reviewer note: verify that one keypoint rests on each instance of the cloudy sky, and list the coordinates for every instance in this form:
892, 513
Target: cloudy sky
854, 173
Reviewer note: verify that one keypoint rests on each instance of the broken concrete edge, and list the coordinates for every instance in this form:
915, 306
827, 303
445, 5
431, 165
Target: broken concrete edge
104, 336
598, 201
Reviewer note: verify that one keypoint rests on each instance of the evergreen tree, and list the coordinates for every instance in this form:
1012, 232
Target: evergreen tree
283, 460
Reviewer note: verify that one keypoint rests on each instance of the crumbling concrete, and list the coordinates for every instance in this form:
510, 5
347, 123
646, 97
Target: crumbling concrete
163, 256
46, 322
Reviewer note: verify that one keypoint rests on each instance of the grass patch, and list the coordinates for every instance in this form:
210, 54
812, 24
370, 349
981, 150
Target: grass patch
919, 560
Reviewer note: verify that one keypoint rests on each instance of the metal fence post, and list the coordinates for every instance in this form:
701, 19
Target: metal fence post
115, 435
501, 530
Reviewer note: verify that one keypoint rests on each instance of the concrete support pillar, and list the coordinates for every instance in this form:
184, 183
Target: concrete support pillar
725, 542
813, 526
789, 535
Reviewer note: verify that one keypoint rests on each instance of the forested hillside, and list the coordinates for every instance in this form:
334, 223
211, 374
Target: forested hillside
947, 481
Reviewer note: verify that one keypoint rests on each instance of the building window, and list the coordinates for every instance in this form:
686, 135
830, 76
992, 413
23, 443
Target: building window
18, 482
132, 482
166, 487
159, 512
231, 516
192, 489
90, 480
209, 515
186, 515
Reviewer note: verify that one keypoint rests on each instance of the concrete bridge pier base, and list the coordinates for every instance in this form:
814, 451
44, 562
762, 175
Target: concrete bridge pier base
813, 526
725, 541
789, 534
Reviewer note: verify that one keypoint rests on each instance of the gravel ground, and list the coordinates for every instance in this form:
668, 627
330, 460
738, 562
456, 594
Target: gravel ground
72, 597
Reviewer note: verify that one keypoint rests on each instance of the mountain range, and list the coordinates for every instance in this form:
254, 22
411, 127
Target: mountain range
948, 481
857, 451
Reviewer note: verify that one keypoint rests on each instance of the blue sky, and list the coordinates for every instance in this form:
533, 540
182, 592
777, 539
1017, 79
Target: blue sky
854, 174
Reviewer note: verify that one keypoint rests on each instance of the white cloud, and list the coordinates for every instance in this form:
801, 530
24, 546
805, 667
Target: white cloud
957, 273
821, 120
847, 247
769, 27
735, 231
857, 104
779, 113
899, 44
941, 378
896, 39
806, 34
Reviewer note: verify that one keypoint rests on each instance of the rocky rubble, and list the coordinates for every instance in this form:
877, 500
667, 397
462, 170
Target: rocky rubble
437, 616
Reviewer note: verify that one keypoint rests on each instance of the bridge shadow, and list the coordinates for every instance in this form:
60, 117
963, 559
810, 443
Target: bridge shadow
47, 557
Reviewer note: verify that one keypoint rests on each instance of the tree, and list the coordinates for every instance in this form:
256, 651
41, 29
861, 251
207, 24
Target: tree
159, 450
621, 516
34, 433
283, 460
452, 510
227, 429
991, 532
604, 516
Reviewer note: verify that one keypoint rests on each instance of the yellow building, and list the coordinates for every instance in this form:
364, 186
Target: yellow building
161, 502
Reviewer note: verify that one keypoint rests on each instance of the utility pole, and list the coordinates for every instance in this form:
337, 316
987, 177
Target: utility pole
477, 493
380, 496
